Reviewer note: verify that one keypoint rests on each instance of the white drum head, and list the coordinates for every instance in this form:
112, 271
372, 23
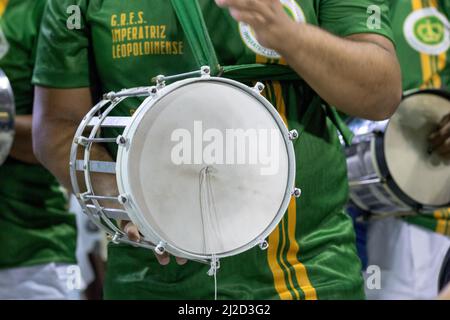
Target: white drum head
423, 177
213, 213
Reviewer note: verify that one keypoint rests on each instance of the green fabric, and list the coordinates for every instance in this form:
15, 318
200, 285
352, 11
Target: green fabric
414, 71
35, 227
193, 25
422, 68
314, 244
191, 19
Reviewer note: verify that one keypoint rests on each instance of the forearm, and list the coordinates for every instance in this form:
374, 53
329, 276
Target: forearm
359, 74
22, 148
354, 76
57, 115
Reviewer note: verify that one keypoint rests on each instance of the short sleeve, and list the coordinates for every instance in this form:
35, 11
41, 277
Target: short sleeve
347, 17
62, 58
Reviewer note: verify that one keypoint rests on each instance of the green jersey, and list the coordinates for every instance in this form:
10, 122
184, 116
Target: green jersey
421, 32
35, 226
122, 44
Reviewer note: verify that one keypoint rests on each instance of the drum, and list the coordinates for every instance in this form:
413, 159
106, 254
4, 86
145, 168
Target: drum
7, 113
390, 167
205, 167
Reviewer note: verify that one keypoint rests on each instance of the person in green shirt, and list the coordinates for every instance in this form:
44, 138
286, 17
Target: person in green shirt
331, 44
37, 233
411, 251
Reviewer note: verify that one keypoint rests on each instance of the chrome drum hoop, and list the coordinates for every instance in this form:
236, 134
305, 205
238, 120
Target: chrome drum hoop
7, 116
102, 216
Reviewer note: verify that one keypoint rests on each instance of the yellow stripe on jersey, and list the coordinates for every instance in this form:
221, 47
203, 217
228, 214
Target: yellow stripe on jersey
285, 266
300, 269
277, 272
425, 59
441, 222
439, 60
261, 59
274, 241
292, 254
279, 102
3, 4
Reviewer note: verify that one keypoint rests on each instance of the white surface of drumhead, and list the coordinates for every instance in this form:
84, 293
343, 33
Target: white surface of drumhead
423, 177
168, 195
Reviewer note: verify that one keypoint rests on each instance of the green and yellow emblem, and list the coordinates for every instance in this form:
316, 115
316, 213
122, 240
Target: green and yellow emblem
427, 31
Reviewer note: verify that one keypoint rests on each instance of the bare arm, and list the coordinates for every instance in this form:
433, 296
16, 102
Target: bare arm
359, 75
56, 116
22, 148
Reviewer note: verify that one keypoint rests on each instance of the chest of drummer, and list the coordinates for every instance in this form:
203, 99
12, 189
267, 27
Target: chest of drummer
145, 38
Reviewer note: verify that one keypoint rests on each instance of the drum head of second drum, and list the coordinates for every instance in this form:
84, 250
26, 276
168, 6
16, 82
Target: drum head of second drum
422, 176
189, 185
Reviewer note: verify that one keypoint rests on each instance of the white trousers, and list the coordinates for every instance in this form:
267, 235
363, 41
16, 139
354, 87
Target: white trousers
42, 282
409, 257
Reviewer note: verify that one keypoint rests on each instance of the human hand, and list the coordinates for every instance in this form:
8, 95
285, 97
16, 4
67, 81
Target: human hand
440, 139
268, 19
134, 235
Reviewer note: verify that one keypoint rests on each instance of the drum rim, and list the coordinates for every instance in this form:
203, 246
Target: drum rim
384, 168
9, 106
123, 154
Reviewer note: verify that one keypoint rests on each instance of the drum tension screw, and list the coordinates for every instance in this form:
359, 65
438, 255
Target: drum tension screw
297, 192
122, 199
153, 91
121, 140
263, 245
293, 135
160, 248
259, 87
205, 71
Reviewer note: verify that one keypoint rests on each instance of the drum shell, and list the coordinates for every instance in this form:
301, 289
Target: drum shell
150, 233
386, 196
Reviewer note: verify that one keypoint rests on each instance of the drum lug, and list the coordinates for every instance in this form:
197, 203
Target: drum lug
153, 91
205, 72
297, 192
160, 81
259, 87
293, 135
122, 199
263, 244
121, 140
116, 238
160, 248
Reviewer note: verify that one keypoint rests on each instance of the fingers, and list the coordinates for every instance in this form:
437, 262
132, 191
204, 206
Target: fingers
440, 139
133, 234
251, 18
131, 230
251, 11
444, 148
163, 259
181, 261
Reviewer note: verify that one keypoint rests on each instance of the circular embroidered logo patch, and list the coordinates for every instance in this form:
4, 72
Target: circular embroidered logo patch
248, 35
427, 31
